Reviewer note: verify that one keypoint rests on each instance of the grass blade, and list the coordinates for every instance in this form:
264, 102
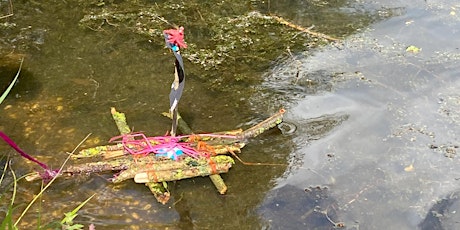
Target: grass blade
7, 91
7, 223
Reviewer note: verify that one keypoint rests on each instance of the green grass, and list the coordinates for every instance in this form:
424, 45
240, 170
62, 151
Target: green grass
7, 91
8, 223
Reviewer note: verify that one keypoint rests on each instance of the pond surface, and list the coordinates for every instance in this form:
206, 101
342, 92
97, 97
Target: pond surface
376, 123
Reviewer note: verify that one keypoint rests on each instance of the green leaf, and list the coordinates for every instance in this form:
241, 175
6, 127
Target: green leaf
7, 91
68, 219
69, 216
74, 227
7, 221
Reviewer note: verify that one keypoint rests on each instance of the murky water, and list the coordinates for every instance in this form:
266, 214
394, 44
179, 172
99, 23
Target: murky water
376, 125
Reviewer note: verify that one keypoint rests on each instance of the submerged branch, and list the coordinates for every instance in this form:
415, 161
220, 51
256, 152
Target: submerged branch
10, 9
303, 29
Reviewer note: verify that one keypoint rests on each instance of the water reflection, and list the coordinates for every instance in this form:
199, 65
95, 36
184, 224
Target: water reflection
381, 164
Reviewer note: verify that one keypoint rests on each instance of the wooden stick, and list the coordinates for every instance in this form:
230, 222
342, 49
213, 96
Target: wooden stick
181, 124
107, 151
219, 183
212, 167
10, 9
263, 126
215, 178
158, 190
303, 29
120, 121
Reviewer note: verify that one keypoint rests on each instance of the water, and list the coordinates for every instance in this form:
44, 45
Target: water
376, 126
381, 166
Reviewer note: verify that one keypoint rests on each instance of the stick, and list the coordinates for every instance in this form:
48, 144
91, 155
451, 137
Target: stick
216, 178
219, 183
263, 126
10, 8
120, 121
216, 165
181, 124
158, 190
104, 150
303, 29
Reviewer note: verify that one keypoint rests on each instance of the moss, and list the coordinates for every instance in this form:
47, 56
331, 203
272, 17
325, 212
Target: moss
223, 159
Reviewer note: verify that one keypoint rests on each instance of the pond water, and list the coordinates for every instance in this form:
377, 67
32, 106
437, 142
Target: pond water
394, 157
376, 124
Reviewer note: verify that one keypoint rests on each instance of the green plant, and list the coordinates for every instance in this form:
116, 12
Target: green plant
7, 91
67, 222
7, 222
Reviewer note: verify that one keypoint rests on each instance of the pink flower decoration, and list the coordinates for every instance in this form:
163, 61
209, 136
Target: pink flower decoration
176, 37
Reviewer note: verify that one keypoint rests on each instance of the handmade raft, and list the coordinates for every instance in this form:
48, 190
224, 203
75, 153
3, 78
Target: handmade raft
145, 160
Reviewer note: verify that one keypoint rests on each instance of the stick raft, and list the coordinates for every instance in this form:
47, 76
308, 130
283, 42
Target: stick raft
154, 161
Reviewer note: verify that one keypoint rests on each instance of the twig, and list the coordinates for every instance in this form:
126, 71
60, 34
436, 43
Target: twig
254, 163
166, 21
303, 29
336, 224
96, 84
49, 183
178, 200
263, 126
11, 13
298, 63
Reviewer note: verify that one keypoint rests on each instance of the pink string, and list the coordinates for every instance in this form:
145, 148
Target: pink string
47, 175
139, 144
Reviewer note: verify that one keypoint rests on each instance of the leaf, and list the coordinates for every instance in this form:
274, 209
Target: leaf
69, 216
7, 91
74, 227
68, 219
413, 49
7, 221
409, 168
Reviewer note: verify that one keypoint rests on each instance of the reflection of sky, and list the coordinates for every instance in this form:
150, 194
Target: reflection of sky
379, 163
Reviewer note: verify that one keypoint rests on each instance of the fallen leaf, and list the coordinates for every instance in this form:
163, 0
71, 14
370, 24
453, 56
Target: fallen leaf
409, 168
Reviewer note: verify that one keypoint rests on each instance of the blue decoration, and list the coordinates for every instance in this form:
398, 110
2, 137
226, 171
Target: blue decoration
173, 154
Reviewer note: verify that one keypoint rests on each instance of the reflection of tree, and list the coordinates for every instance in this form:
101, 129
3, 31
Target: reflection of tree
341, 17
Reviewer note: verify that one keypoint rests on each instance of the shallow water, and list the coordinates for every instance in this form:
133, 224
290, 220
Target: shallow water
368, 114
384, 165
